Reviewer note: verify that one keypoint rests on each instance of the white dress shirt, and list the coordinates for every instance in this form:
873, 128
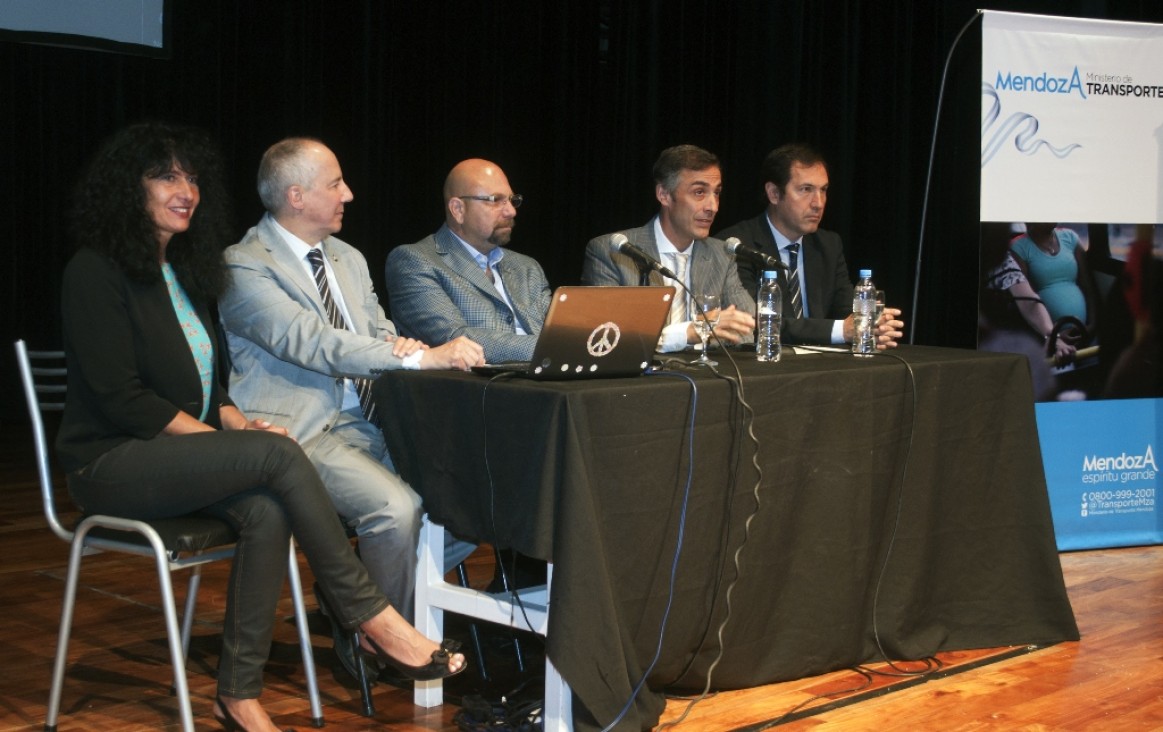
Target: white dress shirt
490, 263
674, 336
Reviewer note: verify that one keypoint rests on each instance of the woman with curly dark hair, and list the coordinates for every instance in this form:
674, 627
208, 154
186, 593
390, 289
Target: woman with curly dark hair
111, 215
148, 431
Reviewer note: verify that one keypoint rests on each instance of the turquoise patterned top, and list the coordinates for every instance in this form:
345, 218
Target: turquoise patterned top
196, 335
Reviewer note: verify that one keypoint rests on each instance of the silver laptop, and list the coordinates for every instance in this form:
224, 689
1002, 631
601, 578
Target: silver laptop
593, 332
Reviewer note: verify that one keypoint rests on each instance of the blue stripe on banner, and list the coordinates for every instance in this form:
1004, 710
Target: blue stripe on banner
1101, 461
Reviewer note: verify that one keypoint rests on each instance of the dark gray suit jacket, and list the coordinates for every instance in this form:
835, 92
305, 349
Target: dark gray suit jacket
828, 289
437, 291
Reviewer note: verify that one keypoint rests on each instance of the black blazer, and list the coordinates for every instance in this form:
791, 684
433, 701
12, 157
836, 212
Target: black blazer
828, 287
130, 369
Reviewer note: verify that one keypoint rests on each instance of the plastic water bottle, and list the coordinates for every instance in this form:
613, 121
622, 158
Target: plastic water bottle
864, 316
768, 318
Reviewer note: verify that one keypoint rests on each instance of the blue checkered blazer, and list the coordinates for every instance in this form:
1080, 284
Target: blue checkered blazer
437, 291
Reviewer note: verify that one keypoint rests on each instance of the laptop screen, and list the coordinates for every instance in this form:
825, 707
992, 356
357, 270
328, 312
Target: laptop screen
593, 332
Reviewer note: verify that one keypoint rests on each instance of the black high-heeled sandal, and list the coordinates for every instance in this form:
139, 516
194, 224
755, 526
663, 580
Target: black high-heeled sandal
227, 720
437, 668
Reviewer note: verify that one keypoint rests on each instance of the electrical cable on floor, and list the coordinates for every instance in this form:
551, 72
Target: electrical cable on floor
932, 665
477, 714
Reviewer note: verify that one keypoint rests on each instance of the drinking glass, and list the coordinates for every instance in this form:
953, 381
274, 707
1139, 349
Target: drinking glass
879, 308
706, 308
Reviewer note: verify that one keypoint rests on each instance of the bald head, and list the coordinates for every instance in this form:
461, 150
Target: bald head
485, 225
474, 173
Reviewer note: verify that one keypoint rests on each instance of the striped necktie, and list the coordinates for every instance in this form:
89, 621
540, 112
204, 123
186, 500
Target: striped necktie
363, 387
793, 281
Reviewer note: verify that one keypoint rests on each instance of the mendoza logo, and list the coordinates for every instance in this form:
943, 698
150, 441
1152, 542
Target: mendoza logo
1044, 84
1120, 462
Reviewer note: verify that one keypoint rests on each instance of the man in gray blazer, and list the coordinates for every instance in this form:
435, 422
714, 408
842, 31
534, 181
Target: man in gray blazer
796, 185
462, 281
687, 184
294, 364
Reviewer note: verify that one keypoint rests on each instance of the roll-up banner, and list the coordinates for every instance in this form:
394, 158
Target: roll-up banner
1072, 256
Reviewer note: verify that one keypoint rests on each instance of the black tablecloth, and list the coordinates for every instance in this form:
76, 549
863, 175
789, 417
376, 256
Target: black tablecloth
902, 507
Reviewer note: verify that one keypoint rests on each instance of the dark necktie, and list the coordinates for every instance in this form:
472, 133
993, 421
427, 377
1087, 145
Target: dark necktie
793, 281
363, 387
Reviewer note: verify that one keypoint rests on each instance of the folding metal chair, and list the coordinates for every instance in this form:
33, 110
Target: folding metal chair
186, 542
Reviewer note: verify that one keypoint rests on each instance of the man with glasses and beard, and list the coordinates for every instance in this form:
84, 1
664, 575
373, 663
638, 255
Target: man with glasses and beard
462, 281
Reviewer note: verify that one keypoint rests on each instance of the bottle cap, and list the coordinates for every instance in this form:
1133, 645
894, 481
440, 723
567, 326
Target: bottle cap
865, 273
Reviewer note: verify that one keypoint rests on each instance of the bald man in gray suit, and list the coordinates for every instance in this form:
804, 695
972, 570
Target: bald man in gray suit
462, 281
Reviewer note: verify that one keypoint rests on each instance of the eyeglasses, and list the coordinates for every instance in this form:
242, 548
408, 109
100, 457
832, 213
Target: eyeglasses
497, 199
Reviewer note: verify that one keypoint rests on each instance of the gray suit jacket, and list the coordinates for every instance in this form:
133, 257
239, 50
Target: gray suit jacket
829, 291
712, 267
437, 292
287, 362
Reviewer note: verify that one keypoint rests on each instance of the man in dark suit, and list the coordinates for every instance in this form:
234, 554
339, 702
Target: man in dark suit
687, 184
817, 305
462, 281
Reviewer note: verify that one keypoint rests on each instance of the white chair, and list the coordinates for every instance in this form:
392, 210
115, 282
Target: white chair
185, 542
434, 596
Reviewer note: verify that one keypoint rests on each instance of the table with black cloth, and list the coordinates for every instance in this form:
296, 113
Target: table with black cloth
902, 511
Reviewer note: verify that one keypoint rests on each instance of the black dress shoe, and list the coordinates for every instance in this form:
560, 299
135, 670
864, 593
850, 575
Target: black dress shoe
436, 668
227, 720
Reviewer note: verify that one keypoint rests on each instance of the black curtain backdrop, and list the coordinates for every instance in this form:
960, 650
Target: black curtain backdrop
573, 99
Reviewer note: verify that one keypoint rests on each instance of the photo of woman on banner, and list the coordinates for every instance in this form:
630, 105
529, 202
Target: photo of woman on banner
1054, 262
1114, 291
1008, 277
1011, 316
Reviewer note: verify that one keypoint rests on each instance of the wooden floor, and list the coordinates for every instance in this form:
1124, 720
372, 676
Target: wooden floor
118, 668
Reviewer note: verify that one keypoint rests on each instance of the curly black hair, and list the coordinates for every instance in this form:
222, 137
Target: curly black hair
110, 216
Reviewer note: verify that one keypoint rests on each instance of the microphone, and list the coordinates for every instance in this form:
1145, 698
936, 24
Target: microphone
737, 247
619, 243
